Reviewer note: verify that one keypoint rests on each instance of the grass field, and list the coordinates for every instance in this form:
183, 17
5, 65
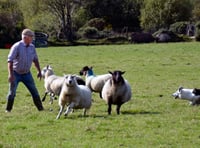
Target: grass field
153, 118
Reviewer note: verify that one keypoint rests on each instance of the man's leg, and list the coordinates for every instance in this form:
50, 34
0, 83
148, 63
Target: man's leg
12, 93
30, 84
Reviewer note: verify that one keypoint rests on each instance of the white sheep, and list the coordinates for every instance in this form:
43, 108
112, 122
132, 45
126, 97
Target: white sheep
53, 83
94, 82
116, 91
74, 95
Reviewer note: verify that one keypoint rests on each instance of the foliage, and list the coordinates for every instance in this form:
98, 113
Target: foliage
11, 22
119, 13
153, 118
161, 13
196, 10
173, 36
94, 29
90, 32
79, 18
98, 23
38, 18
197, 35
61, 19
63, 9
179, 27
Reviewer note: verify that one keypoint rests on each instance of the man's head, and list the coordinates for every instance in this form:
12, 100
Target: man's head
27, 36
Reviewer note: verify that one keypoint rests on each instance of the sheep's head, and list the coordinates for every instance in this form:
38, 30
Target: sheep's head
70, 80
117, 76
47, 71
86, 71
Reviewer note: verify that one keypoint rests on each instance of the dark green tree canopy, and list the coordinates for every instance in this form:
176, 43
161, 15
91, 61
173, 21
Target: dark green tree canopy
161, 13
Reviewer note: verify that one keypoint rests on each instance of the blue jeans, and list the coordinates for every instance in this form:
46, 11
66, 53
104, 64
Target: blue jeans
28, 81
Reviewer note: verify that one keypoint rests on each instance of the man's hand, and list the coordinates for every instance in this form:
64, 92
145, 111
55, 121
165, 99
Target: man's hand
11, 78
39, 75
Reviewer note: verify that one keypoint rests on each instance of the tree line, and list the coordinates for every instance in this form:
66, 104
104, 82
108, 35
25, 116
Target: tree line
73, 19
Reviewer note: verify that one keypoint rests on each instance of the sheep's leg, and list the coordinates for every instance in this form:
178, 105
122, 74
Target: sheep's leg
60, 112
69, 108
191, 103
100, 95
84, 111
118, 108
109, 108
109, 105
52, 95
44, 96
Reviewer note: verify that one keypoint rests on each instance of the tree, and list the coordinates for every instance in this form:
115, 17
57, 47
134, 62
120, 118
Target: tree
37, 17
118, 13
11, 22
63, 9
196, 10
161, 13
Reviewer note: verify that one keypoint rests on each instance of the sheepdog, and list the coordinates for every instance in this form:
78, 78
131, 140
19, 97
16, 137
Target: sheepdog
192, 95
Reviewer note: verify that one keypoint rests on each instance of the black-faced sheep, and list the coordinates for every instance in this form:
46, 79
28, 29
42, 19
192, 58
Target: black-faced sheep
53, 83
74, 95
94, 82
116, 91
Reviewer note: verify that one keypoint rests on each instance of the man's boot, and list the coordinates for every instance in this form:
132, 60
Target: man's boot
9, 105
38, 103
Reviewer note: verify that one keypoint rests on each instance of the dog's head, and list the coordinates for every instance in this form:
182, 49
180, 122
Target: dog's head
177, 93
196, 91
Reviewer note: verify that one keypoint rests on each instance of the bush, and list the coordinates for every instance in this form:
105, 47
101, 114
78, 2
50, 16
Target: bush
90, 32
197, 34
141, 37
179, 27
118, 39
167, 36
98, 23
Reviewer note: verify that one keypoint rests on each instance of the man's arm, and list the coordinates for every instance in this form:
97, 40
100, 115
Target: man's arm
37, 65
10, 72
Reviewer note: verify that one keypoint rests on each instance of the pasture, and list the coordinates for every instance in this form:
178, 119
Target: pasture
153, 118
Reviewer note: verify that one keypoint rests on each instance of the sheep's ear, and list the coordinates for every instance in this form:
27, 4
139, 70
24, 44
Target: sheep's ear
110, 72
123, 72
47, 66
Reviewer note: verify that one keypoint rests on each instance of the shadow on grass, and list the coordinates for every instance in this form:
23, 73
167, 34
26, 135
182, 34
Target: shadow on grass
84, 117
128, 112
140, 112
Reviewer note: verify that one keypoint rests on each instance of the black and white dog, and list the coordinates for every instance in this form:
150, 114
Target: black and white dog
192, 95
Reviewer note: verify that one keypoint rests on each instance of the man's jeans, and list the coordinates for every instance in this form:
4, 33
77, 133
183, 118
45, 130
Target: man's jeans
28, 81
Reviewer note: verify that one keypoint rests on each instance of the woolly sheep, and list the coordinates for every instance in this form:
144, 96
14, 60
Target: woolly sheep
94, 82
76, 96
53, 83
116, 91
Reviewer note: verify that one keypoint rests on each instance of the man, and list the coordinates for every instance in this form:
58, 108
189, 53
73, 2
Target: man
22, 55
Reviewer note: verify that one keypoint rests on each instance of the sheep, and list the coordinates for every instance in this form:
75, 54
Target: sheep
192, 95
94, 82
53, 83
76, 96
116, 91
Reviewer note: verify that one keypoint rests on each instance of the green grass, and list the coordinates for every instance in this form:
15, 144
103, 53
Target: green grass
151, 119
